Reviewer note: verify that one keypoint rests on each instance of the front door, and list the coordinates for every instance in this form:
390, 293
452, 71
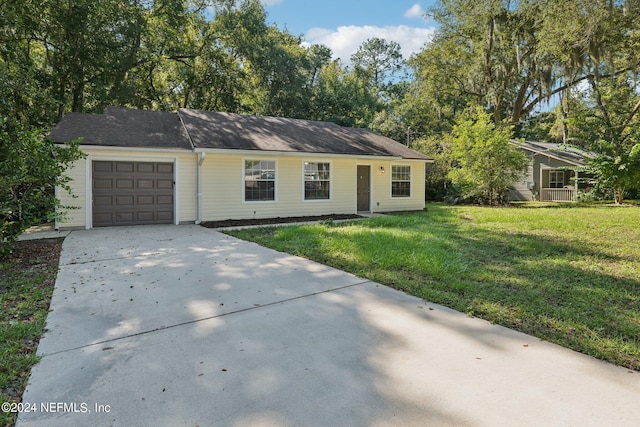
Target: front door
364, 188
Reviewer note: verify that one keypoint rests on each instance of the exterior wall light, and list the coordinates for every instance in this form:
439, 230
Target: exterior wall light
382, 169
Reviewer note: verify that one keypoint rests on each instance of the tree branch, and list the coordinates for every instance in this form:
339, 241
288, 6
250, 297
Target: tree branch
574, 82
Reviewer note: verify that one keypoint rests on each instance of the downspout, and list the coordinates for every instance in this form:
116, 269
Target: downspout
541, 186
201, 157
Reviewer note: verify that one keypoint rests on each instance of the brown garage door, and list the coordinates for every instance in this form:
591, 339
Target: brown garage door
132, 193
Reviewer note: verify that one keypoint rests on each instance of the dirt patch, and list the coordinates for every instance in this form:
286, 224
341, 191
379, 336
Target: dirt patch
33, 255
271, 221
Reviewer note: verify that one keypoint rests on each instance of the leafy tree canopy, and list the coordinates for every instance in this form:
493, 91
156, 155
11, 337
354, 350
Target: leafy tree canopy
487, 164
30, 168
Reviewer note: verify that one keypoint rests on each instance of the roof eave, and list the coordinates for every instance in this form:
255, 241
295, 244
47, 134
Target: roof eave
302, 154
120, 148
548, 154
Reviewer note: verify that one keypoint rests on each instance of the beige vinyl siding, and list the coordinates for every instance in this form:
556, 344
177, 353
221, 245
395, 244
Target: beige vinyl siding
381, 200
223, 185
74, 218
223, 188
186, 177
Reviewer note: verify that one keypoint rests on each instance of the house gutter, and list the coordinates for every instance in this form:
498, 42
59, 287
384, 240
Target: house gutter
307, 155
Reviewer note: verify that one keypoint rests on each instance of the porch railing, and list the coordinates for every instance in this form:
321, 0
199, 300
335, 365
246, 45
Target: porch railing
558, 195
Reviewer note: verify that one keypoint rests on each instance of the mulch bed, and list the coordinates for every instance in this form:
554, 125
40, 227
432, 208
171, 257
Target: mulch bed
271, 221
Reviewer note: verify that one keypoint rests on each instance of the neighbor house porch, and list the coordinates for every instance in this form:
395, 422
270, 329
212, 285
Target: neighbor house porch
558, 185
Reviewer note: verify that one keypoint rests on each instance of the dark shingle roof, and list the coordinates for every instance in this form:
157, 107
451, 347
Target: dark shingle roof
123, 127
245, 132
562, 152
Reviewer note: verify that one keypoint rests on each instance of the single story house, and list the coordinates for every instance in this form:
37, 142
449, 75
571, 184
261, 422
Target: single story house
153, 167
553, 174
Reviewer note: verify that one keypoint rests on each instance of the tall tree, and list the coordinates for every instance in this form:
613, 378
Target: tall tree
609, 125
486, 53
511, 57
600, 46
89, 47
340, 97
378, 61
276, 68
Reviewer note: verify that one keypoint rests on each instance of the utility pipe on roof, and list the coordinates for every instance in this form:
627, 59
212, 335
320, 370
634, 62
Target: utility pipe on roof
201, 157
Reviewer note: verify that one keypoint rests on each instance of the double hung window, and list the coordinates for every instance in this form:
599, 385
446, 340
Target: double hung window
317, 180
400, 181
259, 180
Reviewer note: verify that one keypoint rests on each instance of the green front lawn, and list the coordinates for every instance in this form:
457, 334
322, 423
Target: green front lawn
569, 275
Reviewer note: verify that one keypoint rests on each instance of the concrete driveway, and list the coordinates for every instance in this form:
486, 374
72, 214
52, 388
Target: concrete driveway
184, 326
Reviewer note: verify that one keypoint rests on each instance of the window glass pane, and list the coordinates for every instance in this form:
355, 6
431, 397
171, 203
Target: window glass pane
317, 181
259, 178
400, 181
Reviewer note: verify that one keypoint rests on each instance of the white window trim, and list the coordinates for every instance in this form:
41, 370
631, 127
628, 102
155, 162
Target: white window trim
391, 196
304, 199
275, 181
555, 173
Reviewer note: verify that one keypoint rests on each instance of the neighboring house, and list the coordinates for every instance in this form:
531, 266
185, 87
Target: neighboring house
151, 167
554, 173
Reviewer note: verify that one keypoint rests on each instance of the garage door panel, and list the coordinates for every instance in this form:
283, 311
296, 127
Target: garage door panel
165, 168
144, 200
103, 166
145, 216
124, 183
124, 201
103, 184
165, 184
145, 183
124, 166
129, 193
124, 217
145, 167
165, 200
102, 218
103, 200
164, 215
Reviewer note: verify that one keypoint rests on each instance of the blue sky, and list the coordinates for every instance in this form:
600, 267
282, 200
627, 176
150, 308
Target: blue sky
343, 25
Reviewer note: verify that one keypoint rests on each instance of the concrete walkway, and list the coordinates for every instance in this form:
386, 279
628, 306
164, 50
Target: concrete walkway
45, 231
184, 326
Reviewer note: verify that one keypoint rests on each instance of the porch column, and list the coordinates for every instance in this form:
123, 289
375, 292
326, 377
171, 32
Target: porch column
575, 197
540, 185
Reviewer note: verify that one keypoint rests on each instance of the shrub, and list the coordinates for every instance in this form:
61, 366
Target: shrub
31, 166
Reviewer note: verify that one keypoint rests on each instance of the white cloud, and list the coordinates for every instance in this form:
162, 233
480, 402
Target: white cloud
416, 11
345, 41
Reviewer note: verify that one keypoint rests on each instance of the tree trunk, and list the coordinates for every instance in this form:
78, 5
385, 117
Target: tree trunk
618, 195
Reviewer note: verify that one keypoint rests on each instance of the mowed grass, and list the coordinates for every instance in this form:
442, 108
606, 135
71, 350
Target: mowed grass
569, 275
27, 279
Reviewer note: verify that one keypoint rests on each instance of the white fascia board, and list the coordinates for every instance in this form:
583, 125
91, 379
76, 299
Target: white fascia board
254, 153
129, 149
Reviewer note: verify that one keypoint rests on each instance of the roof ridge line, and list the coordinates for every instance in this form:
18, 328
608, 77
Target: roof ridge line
193, 145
